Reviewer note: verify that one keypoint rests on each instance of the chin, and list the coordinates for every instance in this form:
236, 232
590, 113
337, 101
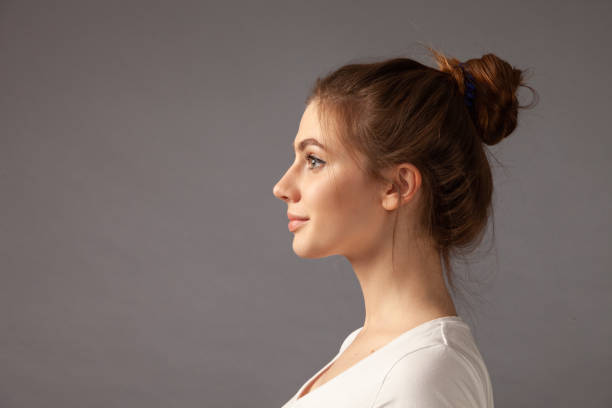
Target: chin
306, 250
303, 252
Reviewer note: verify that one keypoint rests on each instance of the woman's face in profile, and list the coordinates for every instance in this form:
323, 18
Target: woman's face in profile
324, 184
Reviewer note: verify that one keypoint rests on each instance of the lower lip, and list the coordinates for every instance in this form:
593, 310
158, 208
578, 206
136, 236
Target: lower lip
295, 224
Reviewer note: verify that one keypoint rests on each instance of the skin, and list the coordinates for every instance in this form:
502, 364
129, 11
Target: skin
353, 216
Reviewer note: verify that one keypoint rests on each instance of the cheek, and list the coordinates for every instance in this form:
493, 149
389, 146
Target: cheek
340, 201
322, 200
357, 205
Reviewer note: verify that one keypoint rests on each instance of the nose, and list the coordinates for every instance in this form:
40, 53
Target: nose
278, 190
277, 193
285, 188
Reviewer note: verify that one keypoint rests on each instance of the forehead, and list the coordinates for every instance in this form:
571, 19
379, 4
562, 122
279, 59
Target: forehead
310, 132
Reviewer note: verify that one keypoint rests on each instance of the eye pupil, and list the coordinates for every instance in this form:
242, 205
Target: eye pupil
310, 159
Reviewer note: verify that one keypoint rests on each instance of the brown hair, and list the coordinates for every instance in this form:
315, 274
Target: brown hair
399, 110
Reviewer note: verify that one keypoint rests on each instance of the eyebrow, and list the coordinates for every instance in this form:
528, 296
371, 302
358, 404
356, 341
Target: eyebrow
310, 141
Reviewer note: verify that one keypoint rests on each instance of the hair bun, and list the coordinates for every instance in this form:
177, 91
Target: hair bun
495, 101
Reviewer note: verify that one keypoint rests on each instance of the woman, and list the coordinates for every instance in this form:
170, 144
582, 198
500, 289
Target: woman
391, 172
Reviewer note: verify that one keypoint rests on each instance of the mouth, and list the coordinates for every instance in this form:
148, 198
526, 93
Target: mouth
295, 224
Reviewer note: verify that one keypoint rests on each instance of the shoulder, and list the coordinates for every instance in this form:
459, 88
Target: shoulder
433, 376
349, 339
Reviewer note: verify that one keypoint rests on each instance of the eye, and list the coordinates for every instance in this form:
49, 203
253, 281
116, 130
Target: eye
310, 158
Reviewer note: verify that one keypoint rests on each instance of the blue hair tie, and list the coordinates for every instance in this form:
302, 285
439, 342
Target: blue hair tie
470, 88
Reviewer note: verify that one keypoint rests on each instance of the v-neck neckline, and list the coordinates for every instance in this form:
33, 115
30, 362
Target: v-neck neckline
377, 352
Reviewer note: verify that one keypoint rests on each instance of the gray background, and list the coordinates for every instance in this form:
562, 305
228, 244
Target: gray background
146, 263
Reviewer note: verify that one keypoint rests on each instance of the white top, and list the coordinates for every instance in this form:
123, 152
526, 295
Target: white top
433, 365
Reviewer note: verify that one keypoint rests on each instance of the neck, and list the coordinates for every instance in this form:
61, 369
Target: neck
401, 297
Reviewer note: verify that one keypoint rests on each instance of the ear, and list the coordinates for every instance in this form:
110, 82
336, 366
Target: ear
406, 181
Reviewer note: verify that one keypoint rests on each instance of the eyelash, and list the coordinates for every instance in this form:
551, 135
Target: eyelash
311, 157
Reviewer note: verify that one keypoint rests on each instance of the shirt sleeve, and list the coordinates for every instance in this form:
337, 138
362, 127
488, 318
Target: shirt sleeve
432, 377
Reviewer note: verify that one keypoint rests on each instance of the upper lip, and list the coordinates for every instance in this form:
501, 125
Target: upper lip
295, 217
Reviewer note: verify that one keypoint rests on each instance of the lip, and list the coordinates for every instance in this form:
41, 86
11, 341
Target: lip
293, 217
295, 224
